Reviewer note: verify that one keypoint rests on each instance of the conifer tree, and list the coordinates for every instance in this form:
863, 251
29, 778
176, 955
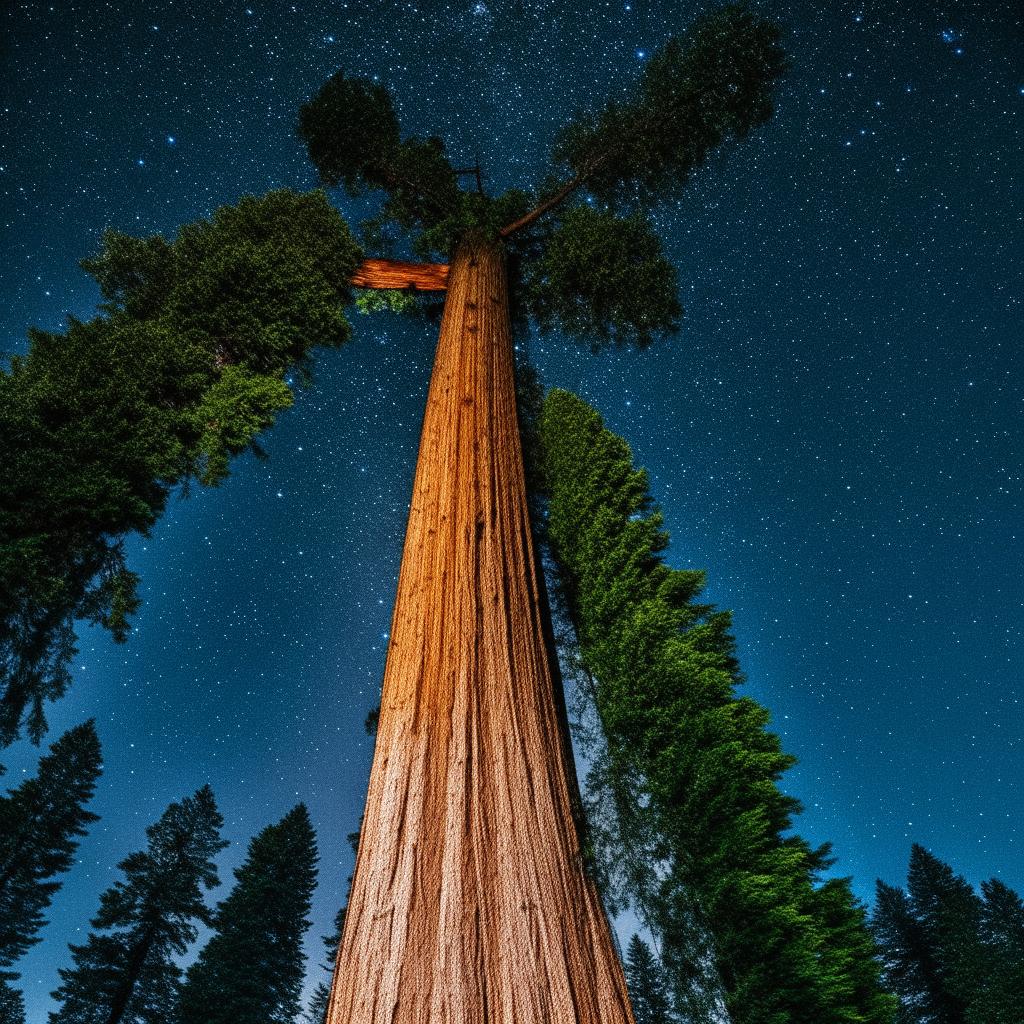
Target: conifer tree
183, 369
951, 956
12, 1005
910, 968
999, 997
949, 912
126, 970
703, 766
251, 971
41, 822
647, 993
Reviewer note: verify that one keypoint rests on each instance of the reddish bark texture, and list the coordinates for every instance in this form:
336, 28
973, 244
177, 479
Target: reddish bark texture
470, 904
424, 277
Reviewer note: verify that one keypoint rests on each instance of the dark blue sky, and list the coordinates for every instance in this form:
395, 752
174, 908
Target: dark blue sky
835, 435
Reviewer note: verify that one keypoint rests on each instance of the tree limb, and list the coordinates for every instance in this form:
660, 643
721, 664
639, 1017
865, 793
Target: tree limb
388, 274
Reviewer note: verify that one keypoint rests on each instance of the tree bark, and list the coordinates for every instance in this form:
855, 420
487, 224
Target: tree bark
424, 277
470, 903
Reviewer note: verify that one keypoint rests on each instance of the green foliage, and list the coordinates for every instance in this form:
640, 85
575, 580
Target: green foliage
183, 370
350, 130
239, 405
126, 970
647, 992
951, 956
475, 214
713, 83
690, 765
41, 821
390, 300
352, 137
998, 998
603, 278
251, 971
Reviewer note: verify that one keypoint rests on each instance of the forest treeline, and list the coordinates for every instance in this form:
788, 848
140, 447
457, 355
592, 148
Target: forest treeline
685, 824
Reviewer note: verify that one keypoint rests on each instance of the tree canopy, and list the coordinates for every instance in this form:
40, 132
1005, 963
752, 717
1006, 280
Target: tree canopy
41, 822
199, 336
188, 362
951, 955
251, 971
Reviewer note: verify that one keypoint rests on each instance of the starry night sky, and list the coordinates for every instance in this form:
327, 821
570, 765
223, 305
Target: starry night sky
835, 435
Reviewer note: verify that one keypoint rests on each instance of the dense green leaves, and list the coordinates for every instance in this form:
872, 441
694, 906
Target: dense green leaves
713, 83
251, 971
352, 137
126, 970
603, 278
41, 822
699, 840
350, 130
185, 368
599, 274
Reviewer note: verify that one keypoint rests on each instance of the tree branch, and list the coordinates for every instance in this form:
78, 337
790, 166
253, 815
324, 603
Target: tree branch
557, 199
388, 274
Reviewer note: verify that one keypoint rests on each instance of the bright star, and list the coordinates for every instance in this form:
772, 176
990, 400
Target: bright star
170, 140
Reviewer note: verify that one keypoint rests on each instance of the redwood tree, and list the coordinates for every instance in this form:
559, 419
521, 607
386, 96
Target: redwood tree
470, 899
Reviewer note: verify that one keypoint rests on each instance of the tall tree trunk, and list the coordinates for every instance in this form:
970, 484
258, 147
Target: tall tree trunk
470, 904
125, 990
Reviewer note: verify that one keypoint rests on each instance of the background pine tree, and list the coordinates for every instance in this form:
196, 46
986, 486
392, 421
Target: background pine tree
317, 1012
1000, 998
126, 971
41, 821
12, 1006
949, 912
647, 992
251, 971
952, 956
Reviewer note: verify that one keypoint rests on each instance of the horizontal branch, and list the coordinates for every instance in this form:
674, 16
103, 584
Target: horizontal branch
423, 277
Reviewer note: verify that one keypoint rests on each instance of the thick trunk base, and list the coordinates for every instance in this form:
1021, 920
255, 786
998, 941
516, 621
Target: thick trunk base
470, 904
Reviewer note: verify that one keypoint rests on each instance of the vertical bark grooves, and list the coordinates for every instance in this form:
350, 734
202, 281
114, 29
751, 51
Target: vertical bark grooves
469, 903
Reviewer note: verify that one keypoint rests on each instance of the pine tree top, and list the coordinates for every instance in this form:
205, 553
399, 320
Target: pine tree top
251, 970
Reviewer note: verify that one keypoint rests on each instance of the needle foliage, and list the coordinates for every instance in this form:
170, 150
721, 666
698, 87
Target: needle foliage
126, 972
952, 955
700, 839
250, 972
188, 363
